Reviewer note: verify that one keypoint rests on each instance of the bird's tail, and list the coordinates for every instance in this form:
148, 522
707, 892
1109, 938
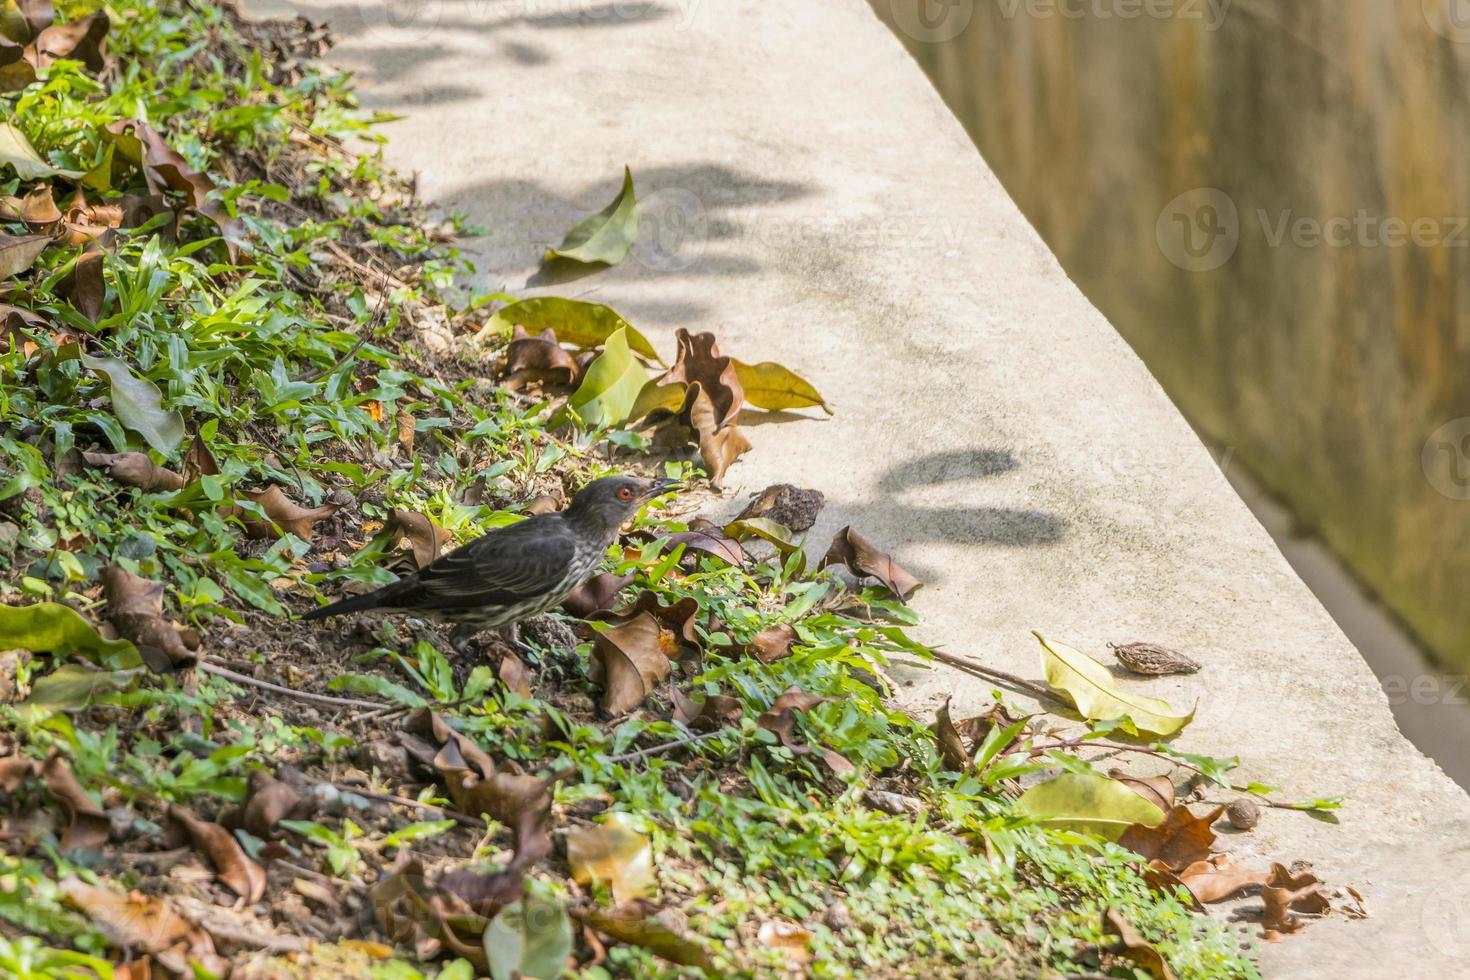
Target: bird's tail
354, 603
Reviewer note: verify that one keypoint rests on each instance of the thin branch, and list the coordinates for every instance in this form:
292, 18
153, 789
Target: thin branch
230, 675
462, 818
990, 673
666, 747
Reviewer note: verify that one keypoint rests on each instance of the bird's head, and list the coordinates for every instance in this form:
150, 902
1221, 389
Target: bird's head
610, 501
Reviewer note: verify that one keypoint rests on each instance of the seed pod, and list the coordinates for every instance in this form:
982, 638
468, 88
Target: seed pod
1150, 658
1243, 814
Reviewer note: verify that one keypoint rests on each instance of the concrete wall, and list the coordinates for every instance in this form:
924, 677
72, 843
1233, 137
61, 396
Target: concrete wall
1268, 199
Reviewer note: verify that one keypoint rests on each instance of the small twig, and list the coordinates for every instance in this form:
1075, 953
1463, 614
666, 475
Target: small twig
462, 818
317, 876
666, 747
238, 678
990, 673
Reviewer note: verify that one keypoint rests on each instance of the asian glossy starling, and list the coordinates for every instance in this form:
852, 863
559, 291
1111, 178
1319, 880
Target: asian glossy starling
514, 572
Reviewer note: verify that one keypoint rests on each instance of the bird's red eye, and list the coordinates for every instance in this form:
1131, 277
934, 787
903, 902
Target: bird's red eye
625, 494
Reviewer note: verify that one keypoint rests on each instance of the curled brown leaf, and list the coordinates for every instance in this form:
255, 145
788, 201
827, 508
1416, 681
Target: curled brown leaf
538, 357
715, 711
951, 746
163, 168
78, 40
135, 609
87, 825
136, 470
773, 643
1131, 945
636, 925
1181, 840
285, 515
863, 558
426, 539
781, 721
1216, 878
235, 869
595, 595
629, 662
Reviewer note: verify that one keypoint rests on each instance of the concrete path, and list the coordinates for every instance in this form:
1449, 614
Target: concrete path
808, 197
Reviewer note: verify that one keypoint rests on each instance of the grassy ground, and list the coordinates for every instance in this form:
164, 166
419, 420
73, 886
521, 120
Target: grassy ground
332, 359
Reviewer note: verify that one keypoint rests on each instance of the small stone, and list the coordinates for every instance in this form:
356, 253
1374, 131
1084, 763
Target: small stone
790, 506
838, 918
326, 799
1243, 814
9, 535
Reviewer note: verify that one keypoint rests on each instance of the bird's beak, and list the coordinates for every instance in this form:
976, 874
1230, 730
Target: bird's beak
661, 487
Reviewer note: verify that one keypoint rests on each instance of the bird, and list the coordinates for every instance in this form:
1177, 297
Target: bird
515, 572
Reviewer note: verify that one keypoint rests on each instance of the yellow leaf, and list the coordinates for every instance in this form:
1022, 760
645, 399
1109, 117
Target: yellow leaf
1090, 687
1088, 804
770, 386
614, 853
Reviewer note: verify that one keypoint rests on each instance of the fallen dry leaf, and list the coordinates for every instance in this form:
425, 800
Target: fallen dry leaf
427, 540
163, 168
713, 712
269, 801
951, 746
679, 617
595, 594
285, 516
1179, 841
1158, 790
237, 871
615, 853
135, 609
514, 674
538, 358
37, 208
780, 720
137, 921
451, 914
85, 288
87, 825
635, 925
773, 643
19, 252
1216, 878
858, 554
698, 362
1284, 894
790, 939
629, 662
710, 540
1131, 946
136, 470
77, 40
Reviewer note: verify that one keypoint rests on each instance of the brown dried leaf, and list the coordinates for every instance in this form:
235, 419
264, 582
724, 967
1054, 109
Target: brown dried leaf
781, 720
135, 609
128, 921
790, 939
520, 801
19, 252
787, 505
85, 286
857, 553
773, 643
14, 770
719, 449
238, 872
713, 712
613, 852
199, 460
426, 538
285, 516
269, 801
37, 208
406, 431
1158, 790
87, 825
595, 595
1152, 659
428, 918
698, 361
164, 168
1217, 878
633, 924
679, 617
711, 541
15, 71
629, 662
1285, 893
136, 470
78, 40
1181, 840
1132, 946
538, 357
514, 674
951, 746
14, 319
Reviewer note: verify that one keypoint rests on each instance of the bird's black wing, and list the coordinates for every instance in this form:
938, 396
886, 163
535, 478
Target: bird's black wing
505, 567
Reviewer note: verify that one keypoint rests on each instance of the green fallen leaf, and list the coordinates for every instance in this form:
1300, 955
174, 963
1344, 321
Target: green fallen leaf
72, 687
50, 627
529, 938
16, 151
609, 389
605, 236
761, 527
1090, 687
575, 322
417, 831
1088, 804
19, 252
770, 386
654, 396
136, 401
